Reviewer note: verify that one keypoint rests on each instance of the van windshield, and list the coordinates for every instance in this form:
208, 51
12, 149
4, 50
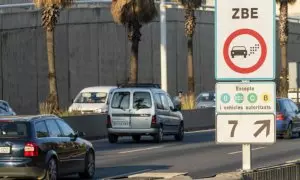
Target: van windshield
91, 97
11, 129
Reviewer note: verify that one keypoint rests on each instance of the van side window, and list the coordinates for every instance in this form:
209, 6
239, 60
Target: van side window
171, 105
121, 100
142, 100
158, 102
164, 101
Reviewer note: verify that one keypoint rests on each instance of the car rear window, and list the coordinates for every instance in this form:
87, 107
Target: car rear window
121, 100
142, 100
13, 129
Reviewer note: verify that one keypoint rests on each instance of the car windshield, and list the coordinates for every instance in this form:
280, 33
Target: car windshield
238, 48
205, 97
11, 129
91, 97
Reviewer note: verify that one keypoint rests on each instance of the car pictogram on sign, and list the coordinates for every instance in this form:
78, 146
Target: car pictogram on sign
239, 51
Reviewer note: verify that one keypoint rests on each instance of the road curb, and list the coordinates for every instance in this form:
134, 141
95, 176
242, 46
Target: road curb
227, 176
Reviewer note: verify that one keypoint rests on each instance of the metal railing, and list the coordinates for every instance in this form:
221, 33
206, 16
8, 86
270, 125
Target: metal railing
290, 171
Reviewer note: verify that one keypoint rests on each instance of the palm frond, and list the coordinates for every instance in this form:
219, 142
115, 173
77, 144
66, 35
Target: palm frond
190, 4
45, 3
124, 11
289, 1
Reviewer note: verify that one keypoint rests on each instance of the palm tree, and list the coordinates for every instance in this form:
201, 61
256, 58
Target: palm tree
190, 25
283, 39
132, 14
50, 14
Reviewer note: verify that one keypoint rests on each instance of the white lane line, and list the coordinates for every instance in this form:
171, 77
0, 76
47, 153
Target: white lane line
208, 130
142, 149
128, 174
236, 152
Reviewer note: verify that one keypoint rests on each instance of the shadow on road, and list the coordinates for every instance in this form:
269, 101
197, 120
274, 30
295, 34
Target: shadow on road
120, 171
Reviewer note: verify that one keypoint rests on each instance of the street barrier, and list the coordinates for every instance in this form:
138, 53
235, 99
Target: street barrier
95, 125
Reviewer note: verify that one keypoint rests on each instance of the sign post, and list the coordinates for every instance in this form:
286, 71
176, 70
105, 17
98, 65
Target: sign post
245, 52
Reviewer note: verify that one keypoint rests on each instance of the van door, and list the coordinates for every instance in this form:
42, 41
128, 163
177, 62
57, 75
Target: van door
120, 110
142, 110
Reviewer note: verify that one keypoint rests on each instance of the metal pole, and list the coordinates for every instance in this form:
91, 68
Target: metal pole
247, 155
163, 46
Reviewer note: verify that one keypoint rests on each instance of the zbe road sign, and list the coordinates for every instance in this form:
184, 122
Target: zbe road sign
245, 40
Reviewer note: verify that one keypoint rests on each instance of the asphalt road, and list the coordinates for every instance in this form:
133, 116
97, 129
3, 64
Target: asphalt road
197, 154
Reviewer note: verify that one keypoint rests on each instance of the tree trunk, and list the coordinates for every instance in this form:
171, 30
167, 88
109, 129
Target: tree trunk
53, 96
134, 36
190, 24
283, 38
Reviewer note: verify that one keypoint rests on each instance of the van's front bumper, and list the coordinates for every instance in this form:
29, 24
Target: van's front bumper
129, 132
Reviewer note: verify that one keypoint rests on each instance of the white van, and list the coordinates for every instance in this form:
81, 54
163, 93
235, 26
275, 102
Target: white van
92, 100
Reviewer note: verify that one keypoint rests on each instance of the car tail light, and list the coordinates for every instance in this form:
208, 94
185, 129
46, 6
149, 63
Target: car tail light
31, 149
108, 121
153, 120
280, 117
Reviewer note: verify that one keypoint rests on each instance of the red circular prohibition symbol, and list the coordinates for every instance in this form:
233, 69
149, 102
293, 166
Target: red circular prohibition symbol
262, 56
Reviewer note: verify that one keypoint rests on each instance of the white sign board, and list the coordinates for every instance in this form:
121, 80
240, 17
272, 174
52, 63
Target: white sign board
245, 40
245, 128
246, 97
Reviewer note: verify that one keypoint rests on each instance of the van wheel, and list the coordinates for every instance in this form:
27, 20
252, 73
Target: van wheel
179, 136
112, 138
158, 137
136, 138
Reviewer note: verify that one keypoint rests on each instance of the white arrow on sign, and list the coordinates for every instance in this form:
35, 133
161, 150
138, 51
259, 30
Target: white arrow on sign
245, 128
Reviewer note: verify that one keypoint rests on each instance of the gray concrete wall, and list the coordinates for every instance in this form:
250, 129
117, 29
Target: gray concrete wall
92, 50
95, 125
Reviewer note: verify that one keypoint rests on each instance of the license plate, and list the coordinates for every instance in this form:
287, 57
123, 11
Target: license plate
4, 150
121, 123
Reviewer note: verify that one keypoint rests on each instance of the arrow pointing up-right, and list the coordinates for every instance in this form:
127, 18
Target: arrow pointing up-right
265, 125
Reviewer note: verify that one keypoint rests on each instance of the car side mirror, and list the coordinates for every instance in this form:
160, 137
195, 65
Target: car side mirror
177, 107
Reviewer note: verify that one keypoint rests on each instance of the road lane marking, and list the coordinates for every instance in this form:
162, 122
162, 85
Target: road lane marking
142, 149
253, 149
207, 130
127, 174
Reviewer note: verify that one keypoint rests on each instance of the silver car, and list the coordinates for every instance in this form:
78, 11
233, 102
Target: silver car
5, 109
138, 111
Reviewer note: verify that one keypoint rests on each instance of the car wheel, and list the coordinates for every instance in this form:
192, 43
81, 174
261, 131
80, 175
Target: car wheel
289, 133
179, 136
136, 138
51, 172
158, 137
112, 138
89, 169
245, 56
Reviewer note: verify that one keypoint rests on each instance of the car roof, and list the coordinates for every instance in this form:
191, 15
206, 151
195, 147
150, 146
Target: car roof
26, 117
139, 89
98, 89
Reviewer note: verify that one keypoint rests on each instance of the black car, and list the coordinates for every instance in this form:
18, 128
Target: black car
43, 147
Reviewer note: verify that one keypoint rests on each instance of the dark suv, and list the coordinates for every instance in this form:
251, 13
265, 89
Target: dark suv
44, 147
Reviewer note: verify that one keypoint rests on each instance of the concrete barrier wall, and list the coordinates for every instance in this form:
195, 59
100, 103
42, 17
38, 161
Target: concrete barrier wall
92, 50
95, 125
